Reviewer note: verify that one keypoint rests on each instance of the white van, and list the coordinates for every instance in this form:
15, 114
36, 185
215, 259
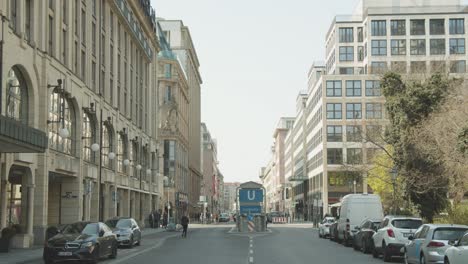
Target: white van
355, 208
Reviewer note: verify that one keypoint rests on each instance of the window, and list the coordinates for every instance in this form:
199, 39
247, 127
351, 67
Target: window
438, 66
398, 27
334, 134
346, 53
336, 178
418, 47
373, 131
360, 35
399, 66
59, 107
93, 75
51, 36
64, 46
168, 94
17, 96
346, 35
353, 111
378, 67
167, 71
88, 138
83, 27
457, 46
353, 88
374, 110
379, 47
346, 70
93, 37
333, 88
398, 47
371, 154
28, 19
457, 26
93, 3
354, 156
464, 241
103, 14
378, 28
373, 88
13, 14
437, 46
107, 146
353, 134
83, 65
360, 53
335, 156
418, 27
437, 27
458, 66
333, 111
418, 67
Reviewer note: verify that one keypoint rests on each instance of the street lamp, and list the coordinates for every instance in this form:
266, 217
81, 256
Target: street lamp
354, 186
394, 173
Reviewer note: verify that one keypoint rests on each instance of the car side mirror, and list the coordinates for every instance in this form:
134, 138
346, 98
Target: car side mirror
453, 243
134, 226
357, 228
101, 233
410, 238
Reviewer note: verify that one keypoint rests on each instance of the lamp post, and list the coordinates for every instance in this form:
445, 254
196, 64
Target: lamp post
394, 173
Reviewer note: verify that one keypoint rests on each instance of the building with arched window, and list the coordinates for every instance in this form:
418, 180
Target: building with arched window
78, 128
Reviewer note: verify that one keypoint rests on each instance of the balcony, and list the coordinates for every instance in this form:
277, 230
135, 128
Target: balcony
16, 137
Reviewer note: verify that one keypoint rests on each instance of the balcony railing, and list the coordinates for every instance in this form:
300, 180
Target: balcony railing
16, 137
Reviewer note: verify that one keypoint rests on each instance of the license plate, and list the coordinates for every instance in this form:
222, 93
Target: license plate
64, 254
407, 234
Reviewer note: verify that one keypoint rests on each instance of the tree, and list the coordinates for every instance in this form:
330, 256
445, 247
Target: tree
409, 103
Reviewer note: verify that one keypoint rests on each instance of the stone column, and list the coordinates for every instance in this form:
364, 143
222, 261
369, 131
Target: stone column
3, 201
29, 226
364, 183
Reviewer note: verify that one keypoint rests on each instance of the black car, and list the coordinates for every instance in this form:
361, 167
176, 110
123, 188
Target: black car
81, 241
126, 229
363, 238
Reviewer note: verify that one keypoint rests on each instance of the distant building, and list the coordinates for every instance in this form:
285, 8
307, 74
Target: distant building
230, 194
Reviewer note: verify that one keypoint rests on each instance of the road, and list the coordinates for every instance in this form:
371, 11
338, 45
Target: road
213, 244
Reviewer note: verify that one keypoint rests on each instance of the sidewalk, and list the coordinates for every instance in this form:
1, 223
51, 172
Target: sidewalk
21, 256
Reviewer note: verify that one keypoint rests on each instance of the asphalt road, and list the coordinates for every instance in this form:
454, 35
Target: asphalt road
214, 244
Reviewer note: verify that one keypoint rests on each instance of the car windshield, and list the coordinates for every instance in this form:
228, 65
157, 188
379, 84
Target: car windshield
124, 223
407, 223
330, 221
90, 229
75, 228
448, 233
112, 223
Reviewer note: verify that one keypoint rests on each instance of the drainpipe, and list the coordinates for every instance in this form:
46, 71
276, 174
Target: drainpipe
2, 41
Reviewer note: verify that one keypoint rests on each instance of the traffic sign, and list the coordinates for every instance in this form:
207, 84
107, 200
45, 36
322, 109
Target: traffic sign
250, 195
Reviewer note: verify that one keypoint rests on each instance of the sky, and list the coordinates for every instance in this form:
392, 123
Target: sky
254, 58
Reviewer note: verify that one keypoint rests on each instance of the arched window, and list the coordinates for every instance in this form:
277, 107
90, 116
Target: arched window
107, 146
57, 105
144, 164
17, 96
88, 137
121, 152
134, 158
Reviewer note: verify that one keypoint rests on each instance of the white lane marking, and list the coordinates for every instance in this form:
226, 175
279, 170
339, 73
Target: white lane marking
251, 245
251, 260
251, 252
158, 244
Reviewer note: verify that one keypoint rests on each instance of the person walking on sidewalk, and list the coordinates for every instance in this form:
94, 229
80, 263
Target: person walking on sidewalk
184, 221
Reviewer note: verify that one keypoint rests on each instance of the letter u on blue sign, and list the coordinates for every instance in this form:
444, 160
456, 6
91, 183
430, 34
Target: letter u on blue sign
251, 195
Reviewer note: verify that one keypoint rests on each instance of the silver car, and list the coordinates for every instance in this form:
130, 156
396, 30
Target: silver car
430, 241
127, 231
324, 226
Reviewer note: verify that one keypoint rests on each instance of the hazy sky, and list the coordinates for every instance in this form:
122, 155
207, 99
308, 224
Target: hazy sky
254, 56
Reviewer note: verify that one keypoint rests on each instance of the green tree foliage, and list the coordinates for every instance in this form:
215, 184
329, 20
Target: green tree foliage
408, 104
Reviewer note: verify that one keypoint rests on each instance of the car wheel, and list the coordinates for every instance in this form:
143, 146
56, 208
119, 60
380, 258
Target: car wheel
405, 258
422, 259
355, 245
139, 242
375, 253
130, 245
113, 255
364, 246
446, 261
387, 257
96, 255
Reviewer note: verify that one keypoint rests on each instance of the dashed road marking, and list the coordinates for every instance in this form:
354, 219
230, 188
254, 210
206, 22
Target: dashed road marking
251, 260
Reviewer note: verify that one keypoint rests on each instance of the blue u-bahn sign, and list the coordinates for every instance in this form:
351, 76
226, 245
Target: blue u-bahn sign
250, 209
250, 196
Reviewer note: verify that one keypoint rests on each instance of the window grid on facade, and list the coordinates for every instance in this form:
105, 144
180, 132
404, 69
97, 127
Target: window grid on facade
353, 88
398, 27
13, 14
353, 133
378, 67
418, 67
360, 34
335, 156
378, 28
334, 111
346, 53
353, 111
437, 26
354, 156
28, 20
437, 46
457, 46
373, 88
418, 47
379, 47
398, 47
346, 35
374, 110
458, 66
334, 133
457, 26
334, 88
417, 27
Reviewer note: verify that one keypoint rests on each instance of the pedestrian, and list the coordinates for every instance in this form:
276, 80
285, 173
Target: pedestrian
165, 220
157, 217
184, 221
151, 219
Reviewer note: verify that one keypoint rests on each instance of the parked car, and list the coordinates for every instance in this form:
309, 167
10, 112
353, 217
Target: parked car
127, 231
333, 232
363, 237
82, 241
324, 226
224, 217
355, 208
458, 252
393, 234
429, 243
